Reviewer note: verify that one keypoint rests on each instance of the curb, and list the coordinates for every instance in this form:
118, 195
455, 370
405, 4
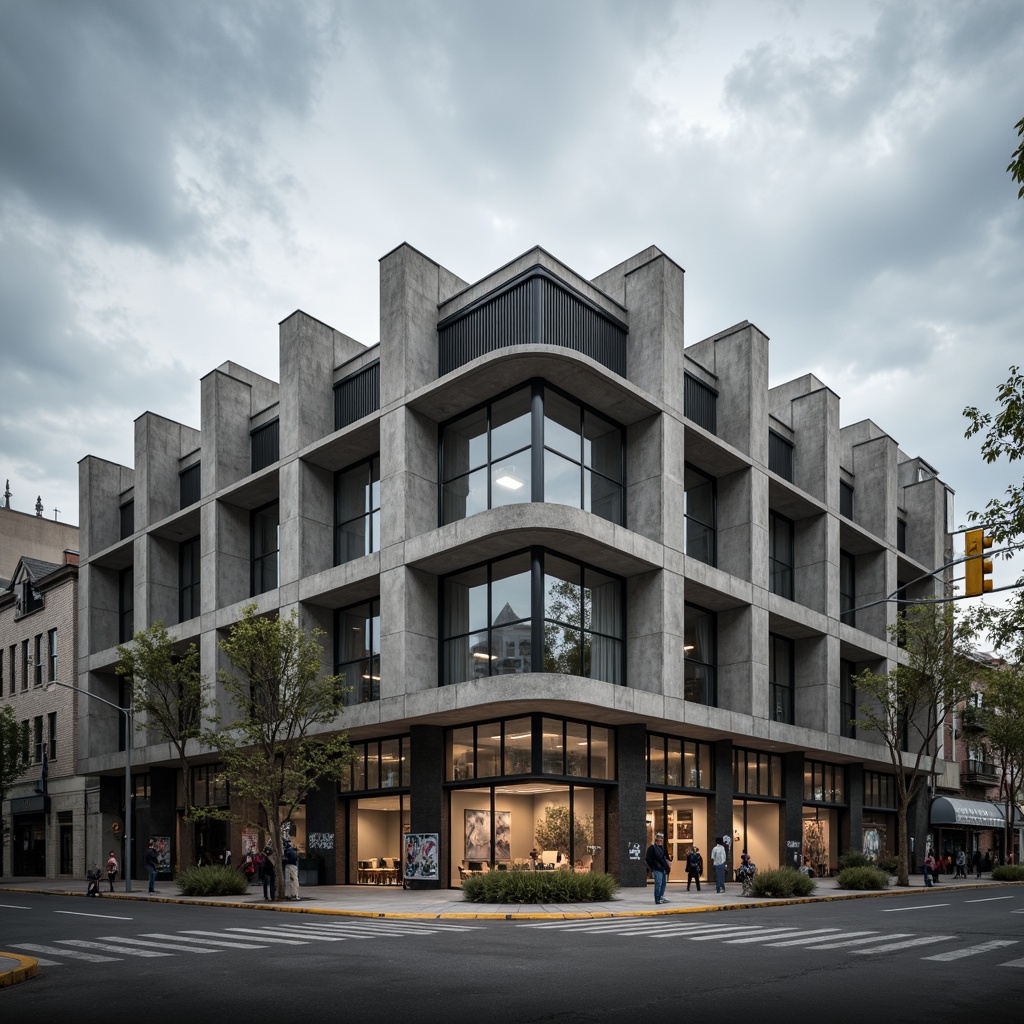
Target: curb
28, 967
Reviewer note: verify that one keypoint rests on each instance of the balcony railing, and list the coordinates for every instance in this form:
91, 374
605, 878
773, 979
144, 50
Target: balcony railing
979, 771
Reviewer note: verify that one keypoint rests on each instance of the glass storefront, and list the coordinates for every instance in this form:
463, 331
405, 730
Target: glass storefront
380, 822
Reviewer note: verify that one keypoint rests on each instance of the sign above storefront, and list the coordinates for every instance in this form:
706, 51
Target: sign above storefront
947, 810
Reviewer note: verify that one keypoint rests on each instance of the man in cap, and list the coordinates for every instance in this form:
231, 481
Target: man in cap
660, 865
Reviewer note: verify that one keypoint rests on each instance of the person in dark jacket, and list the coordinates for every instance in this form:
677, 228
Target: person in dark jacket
152, 863
269, 874
660, 865
694, 867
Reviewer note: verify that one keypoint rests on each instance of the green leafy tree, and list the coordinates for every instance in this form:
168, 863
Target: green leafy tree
1002, 718
274, 751
552, 832
14, 762
907, 706
169, 699
1016, 165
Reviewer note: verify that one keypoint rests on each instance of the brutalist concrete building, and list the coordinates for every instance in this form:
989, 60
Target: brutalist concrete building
584, 583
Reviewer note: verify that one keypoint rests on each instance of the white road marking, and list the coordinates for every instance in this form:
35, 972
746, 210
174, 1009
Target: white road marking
815, 935
105, 917
93, 958
984, 947
12, 906
261, 938
928, 906
925, 940
720, 932
84, 944
769, 934
991, 899
1009, 963
128, 941
875, 937
208, 942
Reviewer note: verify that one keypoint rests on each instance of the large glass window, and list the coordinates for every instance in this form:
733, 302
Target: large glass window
357, 511
188, 579
879, 790
497, 620
824, 783
534, 444
672, 761
847, 588
780, 678
357, 651
699, 512
265, 546
700, 656
755, 773
780, 555
378, 764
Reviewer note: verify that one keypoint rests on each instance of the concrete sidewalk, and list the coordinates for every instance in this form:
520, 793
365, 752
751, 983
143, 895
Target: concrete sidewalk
391, 901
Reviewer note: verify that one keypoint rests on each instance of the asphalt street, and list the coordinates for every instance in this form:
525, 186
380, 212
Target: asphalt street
910, 958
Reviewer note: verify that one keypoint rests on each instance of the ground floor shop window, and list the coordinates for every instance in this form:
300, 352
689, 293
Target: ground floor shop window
879, 838
380, 824
757, 830
684, 821
529, 826
822, 839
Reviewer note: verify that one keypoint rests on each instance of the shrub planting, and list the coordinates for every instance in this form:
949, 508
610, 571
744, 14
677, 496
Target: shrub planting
539, 887
890, 865
853, 859
867, 877
1008, 873
211, 880
779, 883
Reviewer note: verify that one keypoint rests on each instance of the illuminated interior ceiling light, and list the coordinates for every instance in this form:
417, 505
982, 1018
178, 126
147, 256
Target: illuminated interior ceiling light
509, 479
485, 657
687, 647
375, 678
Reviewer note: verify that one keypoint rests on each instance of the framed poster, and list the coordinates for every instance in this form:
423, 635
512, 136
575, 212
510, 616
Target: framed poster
421, 852
684, 827
478, 835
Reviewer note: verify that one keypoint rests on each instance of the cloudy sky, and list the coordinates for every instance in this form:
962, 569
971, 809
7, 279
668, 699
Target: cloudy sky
176, 178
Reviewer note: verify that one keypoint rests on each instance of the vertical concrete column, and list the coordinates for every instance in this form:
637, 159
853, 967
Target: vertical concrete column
654, 298
720, 809
100, 483
743, 660
408, 476
157, 457
428, 803
627, 809
156, 580
408, 622
226, 411
289, 512
655, 632
741, 365
791, 837
321, 808
314, 519
816, 683
741, 519
815, 422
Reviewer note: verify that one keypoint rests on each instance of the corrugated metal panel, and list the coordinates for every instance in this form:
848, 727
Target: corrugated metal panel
189, 485
533, 310
700, 403
780, 455
265, 445
357, 395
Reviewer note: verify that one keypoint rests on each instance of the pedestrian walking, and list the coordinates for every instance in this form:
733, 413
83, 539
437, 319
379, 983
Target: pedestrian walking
718, 859
152, 862
93, 880
111, 869
291, 872
269, 874
661, 867
961, 864
929, 869
694, 867
976, 863
249, 868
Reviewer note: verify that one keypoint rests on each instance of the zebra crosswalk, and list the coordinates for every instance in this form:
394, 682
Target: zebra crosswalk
112, 948
864, 942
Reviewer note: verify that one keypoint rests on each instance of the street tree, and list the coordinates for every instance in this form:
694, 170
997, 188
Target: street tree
907, 706
169, 699
14, 762
1001, 717
1016, 165
276, 749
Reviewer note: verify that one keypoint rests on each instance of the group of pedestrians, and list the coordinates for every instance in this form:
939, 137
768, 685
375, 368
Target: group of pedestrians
661, 866
955, 864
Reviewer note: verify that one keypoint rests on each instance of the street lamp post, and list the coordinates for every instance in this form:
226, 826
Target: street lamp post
127, 712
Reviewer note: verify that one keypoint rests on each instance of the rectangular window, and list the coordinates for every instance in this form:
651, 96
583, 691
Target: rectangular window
357, 511
699, 656
188, 579
845, 499
672, 761
901, 535
51, 644
780, 555
265, 447
357, 395
357, 651
127, 518
378, 764
2, 672
25, 664
51, 721
755, 773
210, 788
126, 605
189, 485
847, 588
699, 500
26, 740
37, 661
847, 700
780, 679
824, 783
37, 725
265, 544
12, 666
879, 790
780, 455
699, 403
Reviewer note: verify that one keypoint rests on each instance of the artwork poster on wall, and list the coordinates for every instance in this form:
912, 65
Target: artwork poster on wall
478, 835
421, 858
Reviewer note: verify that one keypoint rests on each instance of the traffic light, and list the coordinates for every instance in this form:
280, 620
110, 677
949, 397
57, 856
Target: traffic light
977, 568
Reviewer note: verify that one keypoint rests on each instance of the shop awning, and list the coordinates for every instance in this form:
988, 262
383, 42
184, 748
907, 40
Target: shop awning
948, 810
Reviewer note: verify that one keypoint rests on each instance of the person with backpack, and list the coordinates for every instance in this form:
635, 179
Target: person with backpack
694, 867
111, 869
